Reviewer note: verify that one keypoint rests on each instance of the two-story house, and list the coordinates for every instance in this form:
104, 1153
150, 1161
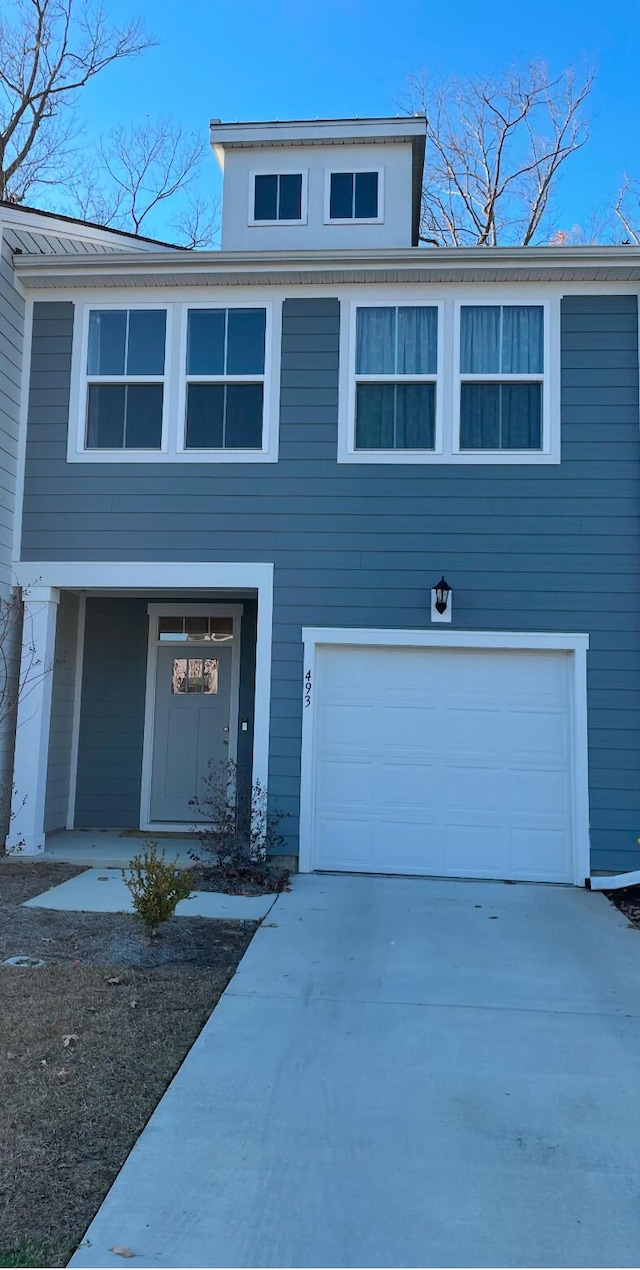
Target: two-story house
245, 472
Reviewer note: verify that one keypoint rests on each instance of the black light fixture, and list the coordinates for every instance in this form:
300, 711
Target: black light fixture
443, 591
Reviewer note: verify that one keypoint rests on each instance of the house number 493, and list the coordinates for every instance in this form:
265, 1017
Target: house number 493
307, 688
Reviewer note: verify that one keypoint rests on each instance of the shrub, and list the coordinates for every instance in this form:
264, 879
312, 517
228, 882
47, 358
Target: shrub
239, 830
157, 886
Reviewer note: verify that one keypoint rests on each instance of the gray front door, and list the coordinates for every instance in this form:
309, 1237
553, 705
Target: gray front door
191, 726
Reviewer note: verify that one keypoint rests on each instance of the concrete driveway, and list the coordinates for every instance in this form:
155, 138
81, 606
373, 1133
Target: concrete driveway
403, 1072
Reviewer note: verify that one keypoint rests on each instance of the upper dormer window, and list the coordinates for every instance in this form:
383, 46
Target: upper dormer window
277, 198
354, 196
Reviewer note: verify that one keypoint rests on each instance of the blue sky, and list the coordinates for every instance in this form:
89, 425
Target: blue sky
246, 59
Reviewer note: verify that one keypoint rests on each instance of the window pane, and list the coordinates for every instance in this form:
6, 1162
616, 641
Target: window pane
205, 416
374, 416
376, 341
415, 416
521, 416
105, 416
265, 205
107, 338
145, 349
211, 676
290, 207
171, 628
197, 627
366, 199
341, 196
522, 348
179, 674
243, 423
417, 341
221, 628
143, 429
194, 681
501, 416
245, 341
205, 341
480, 340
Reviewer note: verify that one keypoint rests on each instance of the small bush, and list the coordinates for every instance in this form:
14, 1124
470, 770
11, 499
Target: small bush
240, 831
157, 886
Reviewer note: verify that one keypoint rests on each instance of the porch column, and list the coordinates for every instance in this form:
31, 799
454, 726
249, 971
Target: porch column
26, 831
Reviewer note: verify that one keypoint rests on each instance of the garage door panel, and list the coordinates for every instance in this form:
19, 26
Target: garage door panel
539, 854
346, 784
539, 794
443, 761
400, 785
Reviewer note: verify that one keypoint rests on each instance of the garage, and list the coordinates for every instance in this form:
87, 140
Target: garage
443, 760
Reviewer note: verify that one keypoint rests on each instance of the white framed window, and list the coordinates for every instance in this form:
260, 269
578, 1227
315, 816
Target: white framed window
500, 379
124, 362
490, 396
278, 198
354, 196
214, 396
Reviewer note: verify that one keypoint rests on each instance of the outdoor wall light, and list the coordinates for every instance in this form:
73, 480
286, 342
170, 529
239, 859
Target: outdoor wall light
441, 601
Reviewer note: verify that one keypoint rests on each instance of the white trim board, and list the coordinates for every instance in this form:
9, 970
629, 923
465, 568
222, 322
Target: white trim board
575, 644
155, 611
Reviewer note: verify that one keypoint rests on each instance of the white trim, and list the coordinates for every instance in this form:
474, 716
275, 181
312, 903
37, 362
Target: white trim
77, 705
155, 611
32, 739
23, 416
353, 220
174, 379
449, 299
304, 201
574, 643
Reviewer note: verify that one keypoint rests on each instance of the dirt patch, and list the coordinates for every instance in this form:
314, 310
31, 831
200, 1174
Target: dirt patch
89, 1045
21, 880
628, 902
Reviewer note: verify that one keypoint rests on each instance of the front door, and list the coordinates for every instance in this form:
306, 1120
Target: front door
191, 727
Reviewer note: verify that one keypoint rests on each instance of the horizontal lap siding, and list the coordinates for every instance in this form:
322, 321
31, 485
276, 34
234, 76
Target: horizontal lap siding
525, 548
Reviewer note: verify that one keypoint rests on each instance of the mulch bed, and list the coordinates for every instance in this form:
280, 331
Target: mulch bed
628, 902
88, 1046
209, 877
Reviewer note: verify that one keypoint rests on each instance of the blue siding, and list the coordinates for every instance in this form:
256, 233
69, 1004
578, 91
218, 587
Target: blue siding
526, 548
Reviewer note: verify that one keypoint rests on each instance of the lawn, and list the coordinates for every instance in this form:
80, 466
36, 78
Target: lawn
88, 1046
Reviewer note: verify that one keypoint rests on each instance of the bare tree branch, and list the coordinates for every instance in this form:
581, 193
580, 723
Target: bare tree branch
627, 209
495, 147
49, 50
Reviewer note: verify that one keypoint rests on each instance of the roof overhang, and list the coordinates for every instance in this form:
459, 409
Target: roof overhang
307, 268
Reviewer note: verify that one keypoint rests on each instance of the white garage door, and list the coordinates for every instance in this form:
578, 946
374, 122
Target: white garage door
450, 762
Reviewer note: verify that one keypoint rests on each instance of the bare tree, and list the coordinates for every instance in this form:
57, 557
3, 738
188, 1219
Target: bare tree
627, 209
139, 168
49, 50
495, 146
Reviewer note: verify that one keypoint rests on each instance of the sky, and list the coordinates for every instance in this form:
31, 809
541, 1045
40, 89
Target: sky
246, 59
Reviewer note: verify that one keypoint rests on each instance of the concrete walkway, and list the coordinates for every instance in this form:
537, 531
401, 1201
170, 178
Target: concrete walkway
104, 891
402, 1073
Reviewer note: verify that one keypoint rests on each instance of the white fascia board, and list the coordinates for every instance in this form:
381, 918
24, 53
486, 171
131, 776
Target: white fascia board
544, 640
304, 132
145, 575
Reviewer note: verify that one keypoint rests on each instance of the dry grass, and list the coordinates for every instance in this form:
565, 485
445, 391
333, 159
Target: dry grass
71, 1112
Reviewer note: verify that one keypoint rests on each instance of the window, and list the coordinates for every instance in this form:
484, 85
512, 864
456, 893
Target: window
354, 196
225, 379
194, 674
182, 629
125, 379
501, 377
396, 362
277, 197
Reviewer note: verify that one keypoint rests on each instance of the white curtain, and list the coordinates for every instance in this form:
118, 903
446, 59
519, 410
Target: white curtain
507, 340
401, 341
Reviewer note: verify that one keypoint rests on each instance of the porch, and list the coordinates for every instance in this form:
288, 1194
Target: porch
130, 691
